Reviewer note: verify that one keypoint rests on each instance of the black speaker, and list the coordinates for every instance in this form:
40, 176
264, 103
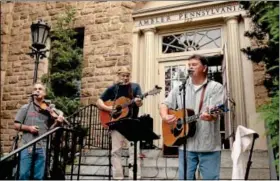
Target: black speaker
147, 120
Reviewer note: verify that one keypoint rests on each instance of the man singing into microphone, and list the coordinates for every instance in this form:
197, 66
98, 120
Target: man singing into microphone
34, 122
130, 90
204, 148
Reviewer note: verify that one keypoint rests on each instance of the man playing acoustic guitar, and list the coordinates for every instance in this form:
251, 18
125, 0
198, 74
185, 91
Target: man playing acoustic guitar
204, 147
127, 89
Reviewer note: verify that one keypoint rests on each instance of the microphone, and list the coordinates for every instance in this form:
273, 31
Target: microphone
190, 72
34, 95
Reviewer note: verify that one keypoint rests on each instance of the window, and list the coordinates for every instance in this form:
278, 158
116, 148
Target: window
174, 75
191, 41
80, 37
79, 43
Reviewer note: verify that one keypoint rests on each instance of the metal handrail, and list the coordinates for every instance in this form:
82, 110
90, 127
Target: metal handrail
81, 109
88, 117
271, 157
34, 141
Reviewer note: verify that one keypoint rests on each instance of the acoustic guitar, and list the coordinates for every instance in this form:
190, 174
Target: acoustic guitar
121, 107
173, 134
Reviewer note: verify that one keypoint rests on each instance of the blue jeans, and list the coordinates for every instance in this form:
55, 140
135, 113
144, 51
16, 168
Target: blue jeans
25, 164
209, 164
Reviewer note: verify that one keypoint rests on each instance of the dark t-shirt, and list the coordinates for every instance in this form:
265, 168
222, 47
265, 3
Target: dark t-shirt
34, 117
123, 90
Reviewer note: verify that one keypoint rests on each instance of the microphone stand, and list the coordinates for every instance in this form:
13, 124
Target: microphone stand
232, 107
109, 132
183, 88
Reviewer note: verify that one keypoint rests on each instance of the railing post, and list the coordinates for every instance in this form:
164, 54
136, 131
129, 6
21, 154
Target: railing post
47, 163
32, 167
55, 170
90, 126
17, 160
271, 158
73, 150
66, 151
81, 137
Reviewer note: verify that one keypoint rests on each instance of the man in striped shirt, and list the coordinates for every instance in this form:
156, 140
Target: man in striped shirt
204, 148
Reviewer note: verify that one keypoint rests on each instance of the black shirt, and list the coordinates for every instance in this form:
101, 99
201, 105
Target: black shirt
130, 91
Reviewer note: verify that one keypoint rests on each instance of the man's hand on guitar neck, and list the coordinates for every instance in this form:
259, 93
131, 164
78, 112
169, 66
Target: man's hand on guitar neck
208, 117
138, 101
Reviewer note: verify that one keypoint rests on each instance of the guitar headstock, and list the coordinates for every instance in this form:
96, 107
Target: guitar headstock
154, 91
219, 109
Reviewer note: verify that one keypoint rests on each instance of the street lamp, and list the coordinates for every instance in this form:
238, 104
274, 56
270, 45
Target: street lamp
40, 32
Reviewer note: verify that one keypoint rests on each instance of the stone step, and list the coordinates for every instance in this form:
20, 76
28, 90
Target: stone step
168, 172
92, 177
171, 162
100, 152
154, 158
154, 166
158, 152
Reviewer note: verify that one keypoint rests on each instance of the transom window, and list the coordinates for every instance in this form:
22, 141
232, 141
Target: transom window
191, 41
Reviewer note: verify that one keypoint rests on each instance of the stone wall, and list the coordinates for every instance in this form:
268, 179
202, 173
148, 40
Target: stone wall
6, 31
107, 45
261, 93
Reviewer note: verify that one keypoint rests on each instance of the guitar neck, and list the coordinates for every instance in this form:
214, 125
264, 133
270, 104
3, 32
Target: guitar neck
133, 100
193, 118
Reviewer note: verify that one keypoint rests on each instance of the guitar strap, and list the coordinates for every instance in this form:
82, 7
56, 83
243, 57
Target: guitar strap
202, 96
130, 95
130, 91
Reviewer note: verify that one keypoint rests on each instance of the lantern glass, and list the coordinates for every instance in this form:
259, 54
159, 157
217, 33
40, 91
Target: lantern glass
40, 32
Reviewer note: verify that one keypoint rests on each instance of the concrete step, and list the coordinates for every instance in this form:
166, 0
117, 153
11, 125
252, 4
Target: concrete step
155, 166
257, 162
100, 152
154, 158
106, 178
169, 172
158, 152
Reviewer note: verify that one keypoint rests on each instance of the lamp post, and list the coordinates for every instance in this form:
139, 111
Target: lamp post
40, 32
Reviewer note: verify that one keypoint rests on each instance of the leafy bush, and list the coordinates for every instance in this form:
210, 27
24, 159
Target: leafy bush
65, 65
265, 16
271, 116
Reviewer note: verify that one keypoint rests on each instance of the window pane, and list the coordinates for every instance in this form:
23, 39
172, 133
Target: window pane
191, 41
178, 73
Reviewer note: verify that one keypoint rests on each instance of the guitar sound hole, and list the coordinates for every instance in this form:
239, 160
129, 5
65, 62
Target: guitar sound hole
179, 124
177, 131
117, 112
118, 108
116, 115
